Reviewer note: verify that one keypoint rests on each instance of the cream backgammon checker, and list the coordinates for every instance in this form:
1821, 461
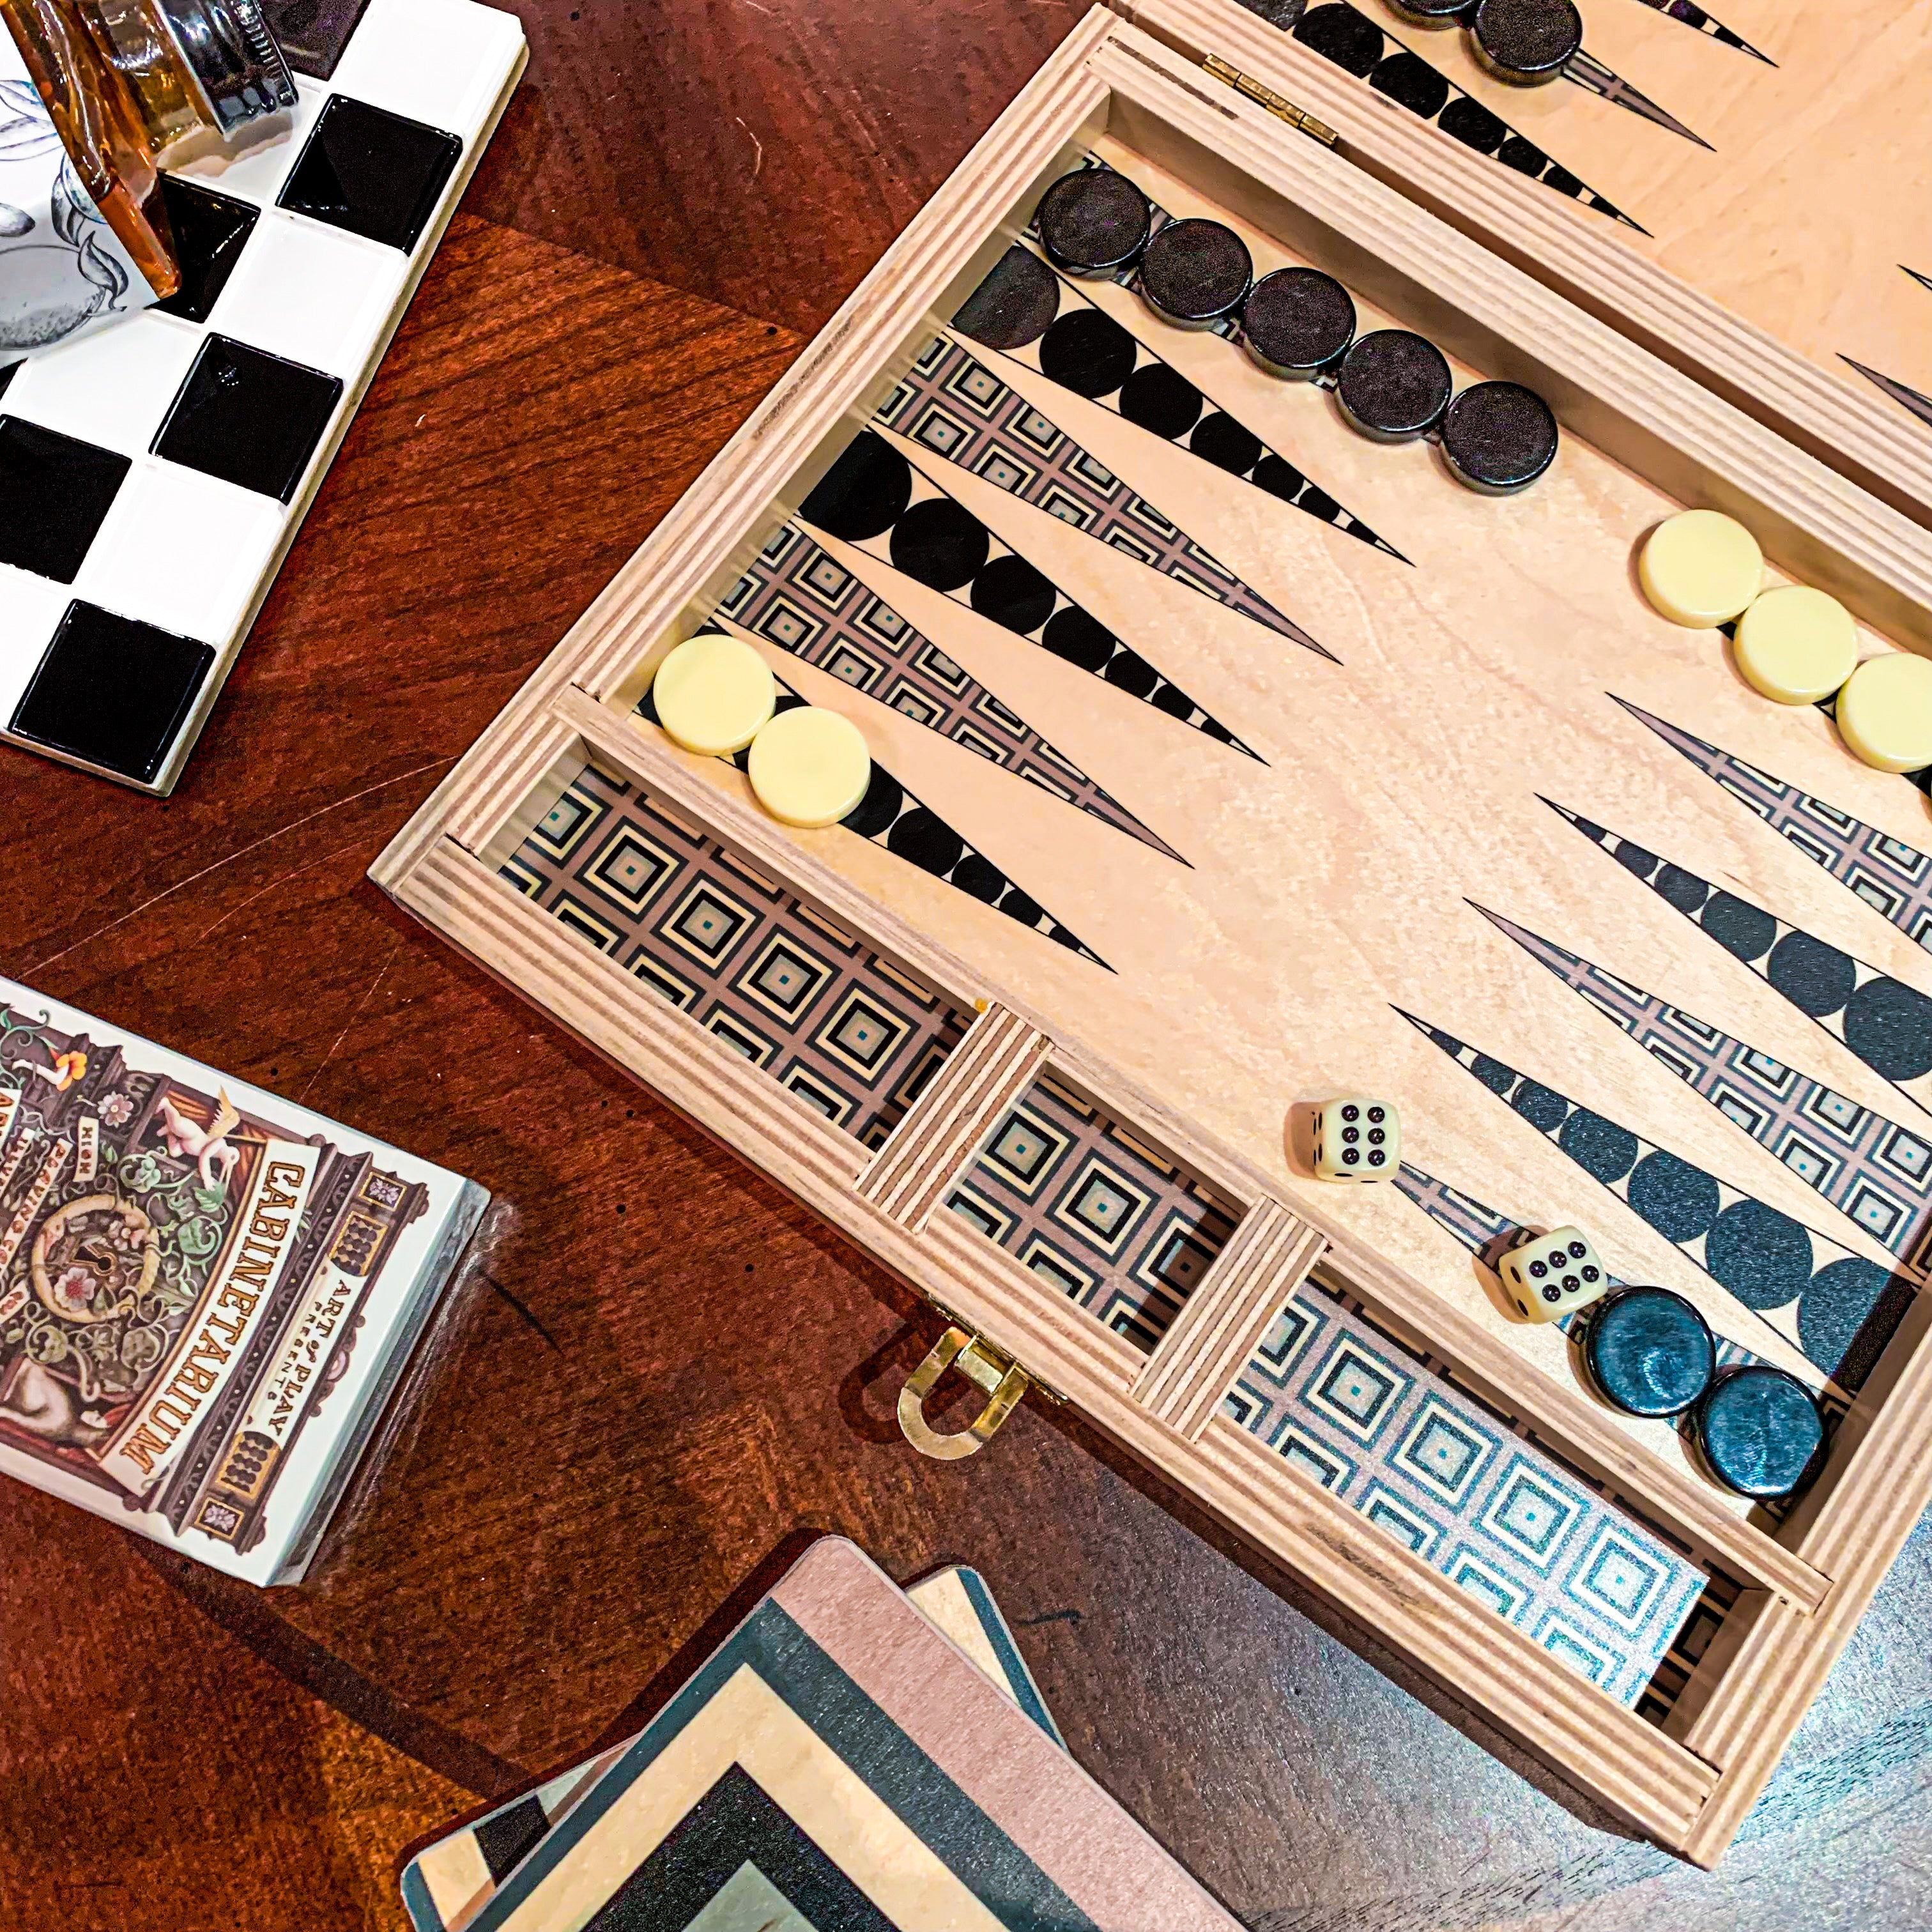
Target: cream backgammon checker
1191, 811
153, 476
447, 1886
207, 1293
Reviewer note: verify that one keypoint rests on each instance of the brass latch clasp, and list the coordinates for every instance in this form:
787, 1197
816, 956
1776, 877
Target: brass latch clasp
1002, 1382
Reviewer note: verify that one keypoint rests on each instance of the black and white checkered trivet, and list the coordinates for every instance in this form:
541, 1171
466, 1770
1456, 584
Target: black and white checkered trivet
153, 474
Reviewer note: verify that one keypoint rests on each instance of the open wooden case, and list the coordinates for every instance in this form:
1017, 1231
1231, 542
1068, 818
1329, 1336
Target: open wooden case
1045, 1050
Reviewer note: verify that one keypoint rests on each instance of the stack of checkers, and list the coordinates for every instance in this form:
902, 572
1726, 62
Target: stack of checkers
852, 1755
153, 476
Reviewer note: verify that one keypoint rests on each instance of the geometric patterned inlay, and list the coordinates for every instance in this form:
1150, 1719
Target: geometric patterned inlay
1893, 878
1870, 1169
1387, 1431
1840, 1308
1069, 1191
950, 404
798, 596
850, 1036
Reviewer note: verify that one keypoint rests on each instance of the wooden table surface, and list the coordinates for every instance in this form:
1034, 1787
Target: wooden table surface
663, 1378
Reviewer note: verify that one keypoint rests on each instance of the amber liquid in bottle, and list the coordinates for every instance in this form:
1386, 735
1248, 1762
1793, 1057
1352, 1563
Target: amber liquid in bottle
102, 126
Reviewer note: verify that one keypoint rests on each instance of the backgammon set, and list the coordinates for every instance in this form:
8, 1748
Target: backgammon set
1290, 778
207, 1293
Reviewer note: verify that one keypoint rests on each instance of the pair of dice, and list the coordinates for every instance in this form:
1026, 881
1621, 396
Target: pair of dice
1358, 1138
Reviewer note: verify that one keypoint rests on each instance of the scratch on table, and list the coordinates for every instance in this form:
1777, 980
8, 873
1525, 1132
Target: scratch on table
255, 845
367, 997
280, 880
755, 142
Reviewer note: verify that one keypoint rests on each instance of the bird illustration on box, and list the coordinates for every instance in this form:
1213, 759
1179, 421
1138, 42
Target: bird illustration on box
207, 1147
69, 1070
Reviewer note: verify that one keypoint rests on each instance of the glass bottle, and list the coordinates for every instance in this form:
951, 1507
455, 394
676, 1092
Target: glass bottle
131, 85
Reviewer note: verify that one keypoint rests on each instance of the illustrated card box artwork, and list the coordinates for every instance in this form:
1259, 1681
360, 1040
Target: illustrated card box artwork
206, 1293
837, 1764
447, 1885
154, 474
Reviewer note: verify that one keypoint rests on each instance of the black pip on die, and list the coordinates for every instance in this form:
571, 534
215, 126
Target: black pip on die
1549, 1276
1356, 1139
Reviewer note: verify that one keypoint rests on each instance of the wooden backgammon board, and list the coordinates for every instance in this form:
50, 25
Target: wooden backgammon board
1225, 760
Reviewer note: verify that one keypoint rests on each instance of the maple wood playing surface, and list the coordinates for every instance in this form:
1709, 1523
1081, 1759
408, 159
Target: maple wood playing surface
595, 1477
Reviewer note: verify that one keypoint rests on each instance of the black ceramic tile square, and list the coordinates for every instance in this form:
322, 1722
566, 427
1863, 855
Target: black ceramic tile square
54, 492
211, 230
313, 33
371, 171
113, 692
248, 418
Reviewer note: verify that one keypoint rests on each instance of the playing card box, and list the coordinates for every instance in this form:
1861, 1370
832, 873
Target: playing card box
207, 1293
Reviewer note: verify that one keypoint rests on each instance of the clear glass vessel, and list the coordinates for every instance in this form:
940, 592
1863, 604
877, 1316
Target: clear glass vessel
131, 85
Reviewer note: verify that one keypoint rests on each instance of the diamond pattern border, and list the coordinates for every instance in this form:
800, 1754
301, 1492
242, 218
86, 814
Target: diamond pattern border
1383, 1428
845, 1033
1104, 1219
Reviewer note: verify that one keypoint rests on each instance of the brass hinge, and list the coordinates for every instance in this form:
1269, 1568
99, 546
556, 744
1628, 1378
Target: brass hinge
1280, 107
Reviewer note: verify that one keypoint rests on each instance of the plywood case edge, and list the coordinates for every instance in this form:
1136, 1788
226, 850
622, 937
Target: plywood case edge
1689, 1794
1573, 250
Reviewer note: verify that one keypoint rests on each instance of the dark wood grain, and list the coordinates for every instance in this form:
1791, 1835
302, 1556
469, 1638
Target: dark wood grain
660, 1378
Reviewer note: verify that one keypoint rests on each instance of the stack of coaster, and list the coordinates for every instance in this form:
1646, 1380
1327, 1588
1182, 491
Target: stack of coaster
852, 1755
153, 476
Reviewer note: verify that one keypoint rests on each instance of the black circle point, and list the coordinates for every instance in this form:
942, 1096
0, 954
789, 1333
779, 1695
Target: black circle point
1014, 305
1087, 352
864, 493
940, 543
1162, 399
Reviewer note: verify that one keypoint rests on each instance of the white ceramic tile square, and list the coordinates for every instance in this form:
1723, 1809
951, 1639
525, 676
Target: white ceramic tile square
182, 550
31, 609
113, 389
312, 294
433, 60
258, 175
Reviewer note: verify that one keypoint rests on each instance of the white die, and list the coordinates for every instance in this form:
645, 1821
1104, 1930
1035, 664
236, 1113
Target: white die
1548, 1277
1357, 1139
